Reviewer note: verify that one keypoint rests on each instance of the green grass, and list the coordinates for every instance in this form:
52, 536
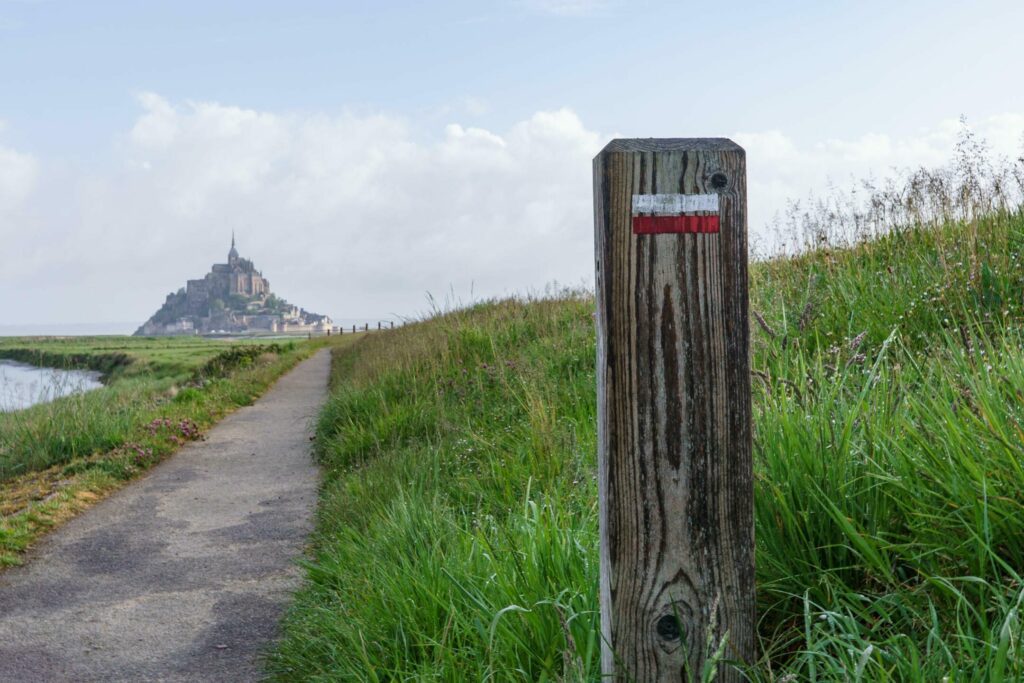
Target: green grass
119, 356
457, 535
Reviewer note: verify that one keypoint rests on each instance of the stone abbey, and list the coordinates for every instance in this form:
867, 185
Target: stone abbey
237, 277
233, 298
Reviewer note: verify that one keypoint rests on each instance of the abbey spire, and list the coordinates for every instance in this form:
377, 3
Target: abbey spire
233, 254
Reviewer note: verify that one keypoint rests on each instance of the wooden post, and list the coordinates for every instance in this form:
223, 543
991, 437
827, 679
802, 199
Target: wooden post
366, 327
353, 329
673, 381
378, 324
392, 324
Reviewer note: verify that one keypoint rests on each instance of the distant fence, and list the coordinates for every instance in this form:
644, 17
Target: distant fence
378, 326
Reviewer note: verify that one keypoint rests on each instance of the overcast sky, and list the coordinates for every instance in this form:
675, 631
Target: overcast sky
367, 153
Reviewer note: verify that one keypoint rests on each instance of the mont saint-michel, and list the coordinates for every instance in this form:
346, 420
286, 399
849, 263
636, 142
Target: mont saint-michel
233, 298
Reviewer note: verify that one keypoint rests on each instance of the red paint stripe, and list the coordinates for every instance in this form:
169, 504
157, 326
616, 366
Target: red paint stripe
657, 225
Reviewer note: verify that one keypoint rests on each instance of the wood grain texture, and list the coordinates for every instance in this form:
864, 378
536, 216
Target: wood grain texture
674, 415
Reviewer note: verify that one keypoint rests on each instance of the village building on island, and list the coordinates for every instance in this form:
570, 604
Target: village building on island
233, 298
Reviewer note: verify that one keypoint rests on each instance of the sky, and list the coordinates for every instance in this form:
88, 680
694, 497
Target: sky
369, 156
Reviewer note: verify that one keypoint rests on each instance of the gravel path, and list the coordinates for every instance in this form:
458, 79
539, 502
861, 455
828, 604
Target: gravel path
184, 574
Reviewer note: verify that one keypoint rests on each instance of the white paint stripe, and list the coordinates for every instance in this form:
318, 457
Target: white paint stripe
673, 204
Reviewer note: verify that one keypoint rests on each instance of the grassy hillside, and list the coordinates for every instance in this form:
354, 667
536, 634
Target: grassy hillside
458, 526
59, 457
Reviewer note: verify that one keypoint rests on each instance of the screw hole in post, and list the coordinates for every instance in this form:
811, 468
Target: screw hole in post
719, 181
668, 627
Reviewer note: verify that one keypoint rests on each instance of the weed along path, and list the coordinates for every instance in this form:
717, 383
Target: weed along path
183, 575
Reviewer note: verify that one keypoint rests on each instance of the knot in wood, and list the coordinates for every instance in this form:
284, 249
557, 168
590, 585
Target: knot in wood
669, 628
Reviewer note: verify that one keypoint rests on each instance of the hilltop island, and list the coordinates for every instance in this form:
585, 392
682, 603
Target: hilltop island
233, 298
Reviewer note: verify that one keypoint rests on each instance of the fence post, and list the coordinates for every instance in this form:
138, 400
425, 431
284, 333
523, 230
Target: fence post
673, 382
366, 327
378, 324
353, 329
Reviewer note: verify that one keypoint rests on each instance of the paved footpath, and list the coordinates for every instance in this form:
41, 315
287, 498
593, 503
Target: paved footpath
183, 574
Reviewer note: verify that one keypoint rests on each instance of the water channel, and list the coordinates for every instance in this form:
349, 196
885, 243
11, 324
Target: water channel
24, 385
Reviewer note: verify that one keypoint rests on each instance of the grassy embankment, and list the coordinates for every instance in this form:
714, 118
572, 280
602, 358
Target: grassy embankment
60, 457
458, 525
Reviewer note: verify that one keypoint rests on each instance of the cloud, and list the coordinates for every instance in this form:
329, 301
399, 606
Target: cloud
467, 105
351, 215
357, 215
780, 169
18, 172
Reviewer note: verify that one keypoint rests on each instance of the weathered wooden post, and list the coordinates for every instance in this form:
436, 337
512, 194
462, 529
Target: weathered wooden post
366, 327
378, 324
392, 324
673, 382
353, 329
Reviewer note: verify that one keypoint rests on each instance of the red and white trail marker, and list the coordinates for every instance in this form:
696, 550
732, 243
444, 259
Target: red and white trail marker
655, 214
